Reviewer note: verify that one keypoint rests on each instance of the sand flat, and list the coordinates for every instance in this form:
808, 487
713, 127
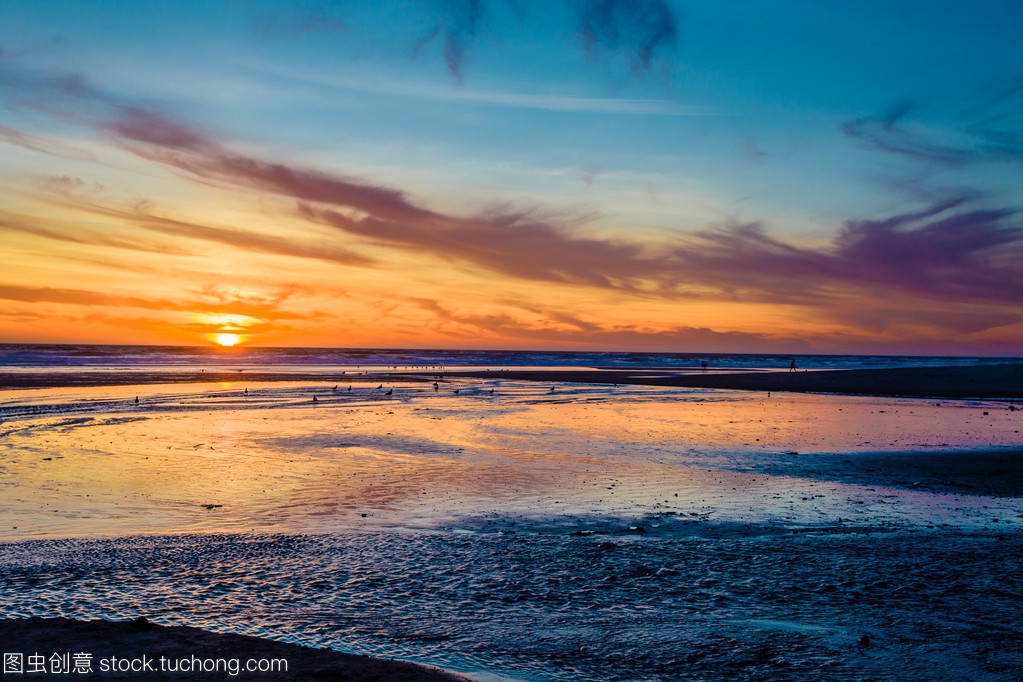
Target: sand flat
209, 457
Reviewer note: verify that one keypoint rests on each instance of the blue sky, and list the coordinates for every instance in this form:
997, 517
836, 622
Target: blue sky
698, 176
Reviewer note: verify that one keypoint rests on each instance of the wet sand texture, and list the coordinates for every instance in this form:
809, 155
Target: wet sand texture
132, 639
995, 381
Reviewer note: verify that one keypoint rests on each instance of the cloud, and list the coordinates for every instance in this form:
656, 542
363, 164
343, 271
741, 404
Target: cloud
988, 130
21, 139
13, 222
947, 251
457, 24
634, 29
217, 304
247, 240
522, 100
141, 215
972, 255
637, 30
940, 253
563, 330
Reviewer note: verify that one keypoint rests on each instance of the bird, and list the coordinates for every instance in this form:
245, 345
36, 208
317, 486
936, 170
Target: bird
335, 387
136, 400
246, 391
380, 386
491, 391
349, 388
315, 400
552, 389
389, 392
456, 391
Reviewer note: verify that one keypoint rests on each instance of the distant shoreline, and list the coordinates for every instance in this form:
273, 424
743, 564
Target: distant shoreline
133, 639
1004, 381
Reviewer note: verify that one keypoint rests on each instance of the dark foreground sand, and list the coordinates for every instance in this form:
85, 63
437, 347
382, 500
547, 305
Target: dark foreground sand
994, 381
133, 639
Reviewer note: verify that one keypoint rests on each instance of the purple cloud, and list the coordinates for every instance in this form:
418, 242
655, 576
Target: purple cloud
945, 251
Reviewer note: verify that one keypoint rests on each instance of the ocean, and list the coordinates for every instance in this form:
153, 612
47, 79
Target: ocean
70, 357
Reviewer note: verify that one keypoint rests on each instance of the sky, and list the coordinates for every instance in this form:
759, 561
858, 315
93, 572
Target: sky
662, 175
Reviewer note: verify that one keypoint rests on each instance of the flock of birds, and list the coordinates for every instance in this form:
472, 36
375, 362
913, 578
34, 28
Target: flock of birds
380, 387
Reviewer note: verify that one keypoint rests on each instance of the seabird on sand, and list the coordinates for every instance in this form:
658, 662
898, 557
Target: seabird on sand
349, 388
315, 399
380, 387
136, 400
389, 391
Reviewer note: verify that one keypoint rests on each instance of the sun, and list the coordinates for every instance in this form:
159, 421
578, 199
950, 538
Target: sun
226, 340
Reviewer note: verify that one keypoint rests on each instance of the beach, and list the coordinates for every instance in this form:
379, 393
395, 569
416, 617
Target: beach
528, 527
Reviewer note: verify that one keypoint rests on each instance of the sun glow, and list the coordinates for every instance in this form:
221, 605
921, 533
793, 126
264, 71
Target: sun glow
226, 340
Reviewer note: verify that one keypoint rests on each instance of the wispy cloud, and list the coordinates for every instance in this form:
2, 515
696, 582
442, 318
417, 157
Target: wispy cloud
141, 215
564, 330
458, 21
217, 306
502, 98
947, 251
634, 29
13, 222
986, 130
642, 33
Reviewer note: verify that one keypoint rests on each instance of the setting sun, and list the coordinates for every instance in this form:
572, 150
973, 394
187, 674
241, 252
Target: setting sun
226, 339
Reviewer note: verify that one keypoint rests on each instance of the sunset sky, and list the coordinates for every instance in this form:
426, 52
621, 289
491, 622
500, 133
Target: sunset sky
575, 174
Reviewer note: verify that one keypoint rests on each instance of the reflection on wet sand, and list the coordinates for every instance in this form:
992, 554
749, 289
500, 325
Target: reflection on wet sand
244, 457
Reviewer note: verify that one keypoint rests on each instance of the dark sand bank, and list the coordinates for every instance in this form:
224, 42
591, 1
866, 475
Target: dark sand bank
993, 381
996, 473
133, 639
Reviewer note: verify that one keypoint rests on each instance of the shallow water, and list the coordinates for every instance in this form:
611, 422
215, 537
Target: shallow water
91, 462
584, 533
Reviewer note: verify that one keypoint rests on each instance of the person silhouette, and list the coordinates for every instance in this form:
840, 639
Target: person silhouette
792, 367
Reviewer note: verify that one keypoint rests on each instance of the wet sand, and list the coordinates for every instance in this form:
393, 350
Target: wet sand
558, 607
987, 382
137, 638
212, 458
